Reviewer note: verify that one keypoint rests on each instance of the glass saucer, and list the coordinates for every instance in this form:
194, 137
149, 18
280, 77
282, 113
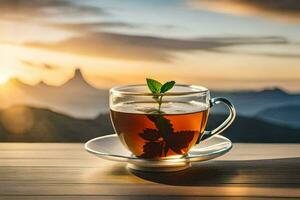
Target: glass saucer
109, 147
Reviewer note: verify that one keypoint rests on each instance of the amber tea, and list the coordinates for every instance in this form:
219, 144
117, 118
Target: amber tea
149, 134
163, 120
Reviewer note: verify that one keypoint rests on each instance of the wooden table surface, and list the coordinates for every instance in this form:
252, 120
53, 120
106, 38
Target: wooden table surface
66, 171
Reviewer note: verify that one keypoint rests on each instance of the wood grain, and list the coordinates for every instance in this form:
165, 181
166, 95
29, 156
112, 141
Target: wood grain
66, 171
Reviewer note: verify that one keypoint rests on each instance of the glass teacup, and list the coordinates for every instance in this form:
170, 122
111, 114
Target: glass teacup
151, 131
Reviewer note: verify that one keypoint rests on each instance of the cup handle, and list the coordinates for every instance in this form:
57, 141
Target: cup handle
232, 114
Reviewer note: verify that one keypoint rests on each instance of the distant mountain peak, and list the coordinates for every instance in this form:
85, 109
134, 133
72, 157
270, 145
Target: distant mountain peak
274, 90
78, 81
16, 82
42, 83
78, 77
78, 74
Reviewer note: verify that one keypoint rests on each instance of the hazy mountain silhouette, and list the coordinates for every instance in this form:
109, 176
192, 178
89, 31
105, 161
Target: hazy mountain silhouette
250, 129
76, 97
28, 124
78, 82
249, 103
288, 115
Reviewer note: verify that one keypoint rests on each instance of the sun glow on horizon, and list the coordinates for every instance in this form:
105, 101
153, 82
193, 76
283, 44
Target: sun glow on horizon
227, 46
4, 79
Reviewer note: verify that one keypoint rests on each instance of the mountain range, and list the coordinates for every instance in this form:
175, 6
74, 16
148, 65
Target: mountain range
29, 124
250, 103
288, 115
77, 98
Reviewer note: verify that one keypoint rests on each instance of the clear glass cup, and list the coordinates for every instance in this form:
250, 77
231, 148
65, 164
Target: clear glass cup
169, 130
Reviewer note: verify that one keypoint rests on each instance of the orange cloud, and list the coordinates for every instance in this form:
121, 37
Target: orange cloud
89, 26
143, 48
283, 10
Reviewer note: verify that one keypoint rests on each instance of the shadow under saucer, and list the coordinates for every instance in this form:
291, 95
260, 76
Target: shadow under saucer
259, 172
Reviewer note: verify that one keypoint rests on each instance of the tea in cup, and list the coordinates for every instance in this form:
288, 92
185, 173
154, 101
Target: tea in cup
170, 131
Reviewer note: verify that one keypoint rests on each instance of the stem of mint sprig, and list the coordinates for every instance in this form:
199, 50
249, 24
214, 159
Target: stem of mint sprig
158, 90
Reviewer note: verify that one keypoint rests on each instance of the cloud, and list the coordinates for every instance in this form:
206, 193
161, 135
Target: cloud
287, 10
100, 25
27, 10
137, 47
59, 13
43, 66
107, 45
49, 67
267, 54
90, 26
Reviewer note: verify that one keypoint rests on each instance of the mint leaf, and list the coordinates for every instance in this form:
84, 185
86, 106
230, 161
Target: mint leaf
158, 90
180, 140
154, 85
167, 86
152, 150
150, 134
164, 125
164, 138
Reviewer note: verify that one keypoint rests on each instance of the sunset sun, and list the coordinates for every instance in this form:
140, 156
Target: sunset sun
3, 79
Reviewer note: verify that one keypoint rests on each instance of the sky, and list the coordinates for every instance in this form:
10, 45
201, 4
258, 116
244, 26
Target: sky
221, 44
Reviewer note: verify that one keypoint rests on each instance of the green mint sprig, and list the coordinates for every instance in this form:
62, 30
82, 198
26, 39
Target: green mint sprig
158, 90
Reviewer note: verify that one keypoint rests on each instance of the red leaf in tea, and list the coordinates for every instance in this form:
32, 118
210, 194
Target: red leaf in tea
180, 140
150, 134
164, 138
152, 150
164, 126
